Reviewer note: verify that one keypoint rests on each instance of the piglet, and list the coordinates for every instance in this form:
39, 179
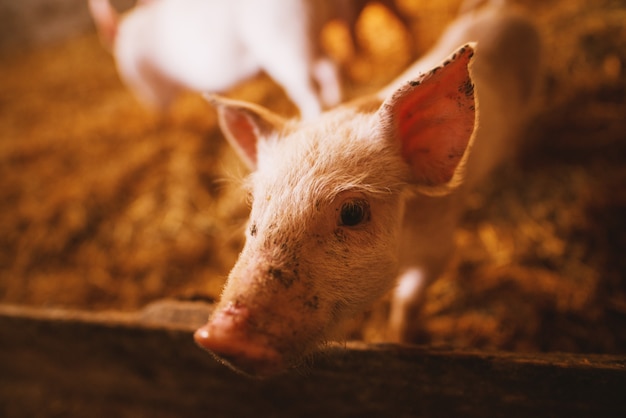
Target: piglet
371, 191
164, 46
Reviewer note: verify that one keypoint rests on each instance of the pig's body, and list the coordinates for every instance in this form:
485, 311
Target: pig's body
162, 47
506, 74
370, 191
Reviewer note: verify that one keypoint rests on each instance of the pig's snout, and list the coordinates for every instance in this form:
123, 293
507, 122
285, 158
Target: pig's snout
230, 338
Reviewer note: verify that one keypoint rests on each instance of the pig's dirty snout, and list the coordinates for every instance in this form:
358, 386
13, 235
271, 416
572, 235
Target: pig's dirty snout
229, 337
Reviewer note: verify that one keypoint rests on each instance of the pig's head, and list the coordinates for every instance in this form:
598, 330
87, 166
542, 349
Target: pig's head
327, 207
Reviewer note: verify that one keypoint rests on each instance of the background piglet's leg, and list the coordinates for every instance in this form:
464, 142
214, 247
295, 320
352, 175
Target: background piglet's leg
326, 74
278, 34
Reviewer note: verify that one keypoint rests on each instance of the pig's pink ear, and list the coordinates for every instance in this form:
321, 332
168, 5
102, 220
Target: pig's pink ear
433, 117
244, 125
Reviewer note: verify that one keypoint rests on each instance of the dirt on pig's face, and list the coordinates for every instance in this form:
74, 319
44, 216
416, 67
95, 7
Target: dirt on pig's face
321, 242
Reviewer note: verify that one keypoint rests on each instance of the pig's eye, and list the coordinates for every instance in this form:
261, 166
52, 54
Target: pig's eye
354, 212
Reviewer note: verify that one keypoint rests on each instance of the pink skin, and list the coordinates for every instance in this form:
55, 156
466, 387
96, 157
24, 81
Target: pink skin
328, 196
226, 334
369, 193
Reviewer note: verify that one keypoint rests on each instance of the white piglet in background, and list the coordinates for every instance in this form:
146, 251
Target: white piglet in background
369, 192
164, 46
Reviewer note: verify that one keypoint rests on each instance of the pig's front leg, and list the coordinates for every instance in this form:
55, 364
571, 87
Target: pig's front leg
426, 246
404, 301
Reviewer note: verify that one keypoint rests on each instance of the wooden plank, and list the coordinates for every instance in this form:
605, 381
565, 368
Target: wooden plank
59, 363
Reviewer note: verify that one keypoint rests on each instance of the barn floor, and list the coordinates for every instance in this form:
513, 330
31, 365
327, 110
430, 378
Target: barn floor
106, 206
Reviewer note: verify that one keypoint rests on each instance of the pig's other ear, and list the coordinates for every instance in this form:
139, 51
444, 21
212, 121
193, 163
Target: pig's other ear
244, 125
433, 118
